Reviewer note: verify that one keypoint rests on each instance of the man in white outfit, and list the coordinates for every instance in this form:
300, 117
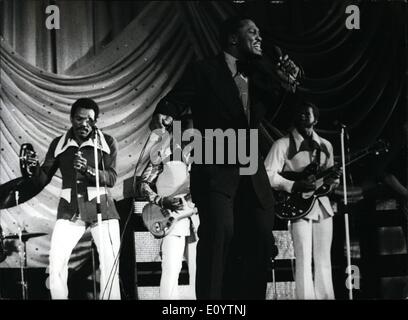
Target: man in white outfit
312, 235
73, 154
164, 181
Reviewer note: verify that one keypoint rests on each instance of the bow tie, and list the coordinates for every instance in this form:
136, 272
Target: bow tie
243, 67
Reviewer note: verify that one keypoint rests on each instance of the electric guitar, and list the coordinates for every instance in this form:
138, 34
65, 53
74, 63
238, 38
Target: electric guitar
161, 221
291, 206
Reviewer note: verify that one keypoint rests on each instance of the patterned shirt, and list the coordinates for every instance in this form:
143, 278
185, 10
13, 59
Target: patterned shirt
78, 194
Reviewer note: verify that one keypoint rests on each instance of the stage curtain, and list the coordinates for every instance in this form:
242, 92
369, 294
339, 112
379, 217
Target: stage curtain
127, 56
127, 77
355, 76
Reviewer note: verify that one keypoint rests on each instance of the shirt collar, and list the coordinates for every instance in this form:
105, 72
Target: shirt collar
299, 138
67, 140
231, 63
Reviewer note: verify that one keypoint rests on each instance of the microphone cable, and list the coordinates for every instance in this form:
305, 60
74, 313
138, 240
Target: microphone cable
114, 268
116, 261
115, 264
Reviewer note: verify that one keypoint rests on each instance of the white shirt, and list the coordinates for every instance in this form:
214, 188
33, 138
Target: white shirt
278, 161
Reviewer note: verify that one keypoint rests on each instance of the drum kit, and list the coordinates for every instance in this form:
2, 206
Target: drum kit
22, 236
11, 190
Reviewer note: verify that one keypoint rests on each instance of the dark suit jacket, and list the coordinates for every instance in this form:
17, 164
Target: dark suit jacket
61, 156
209, 90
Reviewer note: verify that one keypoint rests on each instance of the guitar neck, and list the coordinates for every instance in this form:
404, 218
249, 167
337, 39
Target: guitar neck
357, 156
295, 176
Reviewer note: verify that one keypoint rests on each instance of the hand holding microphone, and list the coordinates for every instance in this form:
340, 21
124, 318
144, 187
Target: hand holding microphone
80, 163
282, 67
288, 66
289, 73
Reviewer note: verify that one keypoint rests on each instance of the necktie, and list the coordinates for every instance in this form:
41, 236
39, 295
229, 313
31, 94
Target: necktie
242, 85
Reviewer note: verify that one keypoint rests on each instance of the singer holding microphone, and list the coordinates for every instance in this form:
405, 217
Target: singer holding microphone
231, 91
73, 154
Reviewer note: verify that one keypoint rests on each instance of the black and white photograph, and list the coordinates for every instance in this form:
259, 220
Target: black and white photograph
204, 154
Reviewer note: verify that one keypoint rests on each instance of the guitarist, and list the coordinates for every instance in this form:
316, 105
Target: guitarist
161, 182
303, 149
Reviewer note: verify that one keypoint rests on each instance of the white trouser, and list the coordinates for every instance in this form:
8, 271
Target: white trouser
313, 237
172, 258
173, 247
65, 236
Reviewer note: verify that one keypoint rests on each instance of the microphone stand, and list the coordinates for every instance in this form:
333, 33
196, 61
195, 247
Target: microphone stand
99, 212
346, 220
23, 257
275, 291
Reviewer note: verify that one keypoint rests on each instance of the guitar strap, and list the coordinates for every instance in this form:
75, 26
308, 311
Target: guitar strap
292, 146
313, 144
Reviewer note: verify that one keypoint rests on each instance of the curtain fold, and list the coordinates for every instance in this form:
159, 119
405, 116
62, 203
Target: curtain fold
356, 77
127, 78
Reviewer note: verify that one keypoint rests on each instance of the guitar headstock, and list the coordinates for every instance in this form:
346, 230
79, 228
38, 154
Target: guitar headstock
379, 147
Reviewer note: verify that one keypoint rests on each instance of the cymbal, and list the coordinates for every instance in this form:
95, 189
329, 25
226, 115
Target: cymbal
25, 235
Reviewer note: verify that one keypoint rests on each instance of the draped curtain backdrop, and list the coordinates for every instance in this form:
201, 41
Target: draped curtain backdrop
127, 55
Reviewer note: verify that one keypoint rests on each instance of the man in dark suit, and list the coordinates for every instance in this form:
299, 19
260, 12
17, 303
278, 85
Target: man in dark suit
232, 91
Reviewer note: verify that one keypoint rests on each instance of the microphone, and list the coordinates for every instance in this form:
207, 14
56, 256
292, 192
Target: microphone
341, 126
287, 68
94, 131
295, 75
278, 52
337, 123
